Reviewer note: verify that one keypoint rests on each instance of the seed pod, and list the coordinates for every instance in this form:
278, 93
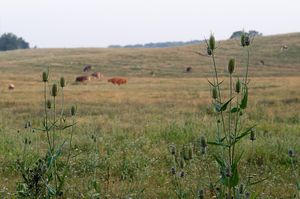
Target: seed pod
291, 153
62, 82
45, 77
203, 142
252, 135
54, 90
209, 51
238, 86
241, 189
181, 163
182, 174
212, 42
214, 93
73, 110
190, 153
173, 171
48, 104
231, 65
173, 150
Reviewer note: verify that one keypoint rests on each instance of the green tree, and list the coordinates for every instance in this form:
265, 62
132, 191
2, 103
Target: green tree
9, 41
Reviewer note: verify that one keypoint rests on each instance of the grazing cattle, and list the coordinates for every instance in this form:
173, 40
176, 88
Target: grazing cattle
11, 87
118, 80
284, 47
97, 75
87, 68
262, 62
188, 69
83, 79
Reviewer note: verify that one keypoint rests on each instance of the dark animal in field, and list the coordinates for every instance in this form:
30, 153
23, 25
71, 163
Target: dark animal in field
118, 80
188, 69
97, 75
87, 68
262, 62
83, 79
284, 47
11, 87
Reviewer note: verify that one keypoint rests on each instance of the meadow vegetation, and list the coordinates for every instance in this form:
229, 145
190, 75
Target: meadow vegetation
121, 143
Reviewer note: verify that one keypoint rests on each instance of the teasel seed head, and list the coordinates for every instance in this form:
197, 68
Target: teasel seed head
73, 110
203, 143
201, 194
190, 153
173, 171
173, 150
247, 195
49, 104
241, 189
182, 174
252, 135
62, 82
214, 93
238, 86
181, 163
245, 39
54, 90
209, 51
45, 77
231, 65
291, 153
212, 42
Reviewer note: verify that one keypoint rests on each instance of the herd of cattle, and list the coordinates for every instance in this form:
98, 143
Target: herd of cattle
119, 80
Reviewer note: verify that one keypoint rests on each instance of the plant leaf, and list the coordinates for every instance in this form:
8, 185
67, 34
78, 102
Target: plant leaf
245, 99
235, 109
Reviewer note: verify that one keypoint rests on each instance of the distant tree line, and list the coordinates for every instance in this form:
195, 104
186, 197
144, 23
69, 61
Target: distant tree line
159, 44
9, 41
252, 33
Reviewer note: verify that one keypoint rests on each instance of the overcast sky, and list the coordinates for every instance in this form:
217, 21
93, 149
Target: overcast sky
99, 23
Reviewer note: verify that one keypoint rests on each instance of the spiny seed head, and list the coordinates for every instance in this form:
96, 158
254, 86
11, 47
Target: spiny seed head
231, 65
73, 110
190, 153
173, 171
54, 90
49, 104
26, 141
252, 135
245, 39
241, 189
45, 77
182, 174
209, 51
212, 42
247, 195
214, 93
238, 86
62, 82
291, 153
173, 150
181, 163
203, 142
201, 194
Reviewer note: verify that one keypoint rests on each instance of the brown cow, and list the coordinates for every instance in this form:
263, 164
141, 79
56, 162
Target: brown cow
118, 80
11, 87
97, 75
188, 69
284, 47
87, 68
83, 79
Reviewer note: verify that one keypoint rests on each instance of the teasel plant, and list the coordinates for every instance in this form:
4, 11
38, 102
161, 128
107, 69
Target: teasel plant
230, 128
47, 176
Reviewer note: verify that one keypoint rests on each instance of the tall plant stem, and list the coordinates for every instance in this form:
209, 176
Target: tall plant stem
247, 69
46, 117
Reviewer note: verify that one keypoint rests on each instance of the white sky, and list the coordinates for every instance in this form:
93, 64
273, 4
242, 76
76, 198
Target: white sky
99, 23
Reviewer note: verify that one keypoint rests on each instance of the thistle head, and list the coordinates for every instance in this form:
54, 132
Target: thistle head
62, 82
212, 42
54, 90
231, 65
45, 77
245, 39
73, 110
214, 93
238, 86
48, 104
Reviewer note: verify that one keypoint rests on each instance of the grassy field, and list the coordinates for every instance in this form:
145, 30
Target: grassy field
136, 123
